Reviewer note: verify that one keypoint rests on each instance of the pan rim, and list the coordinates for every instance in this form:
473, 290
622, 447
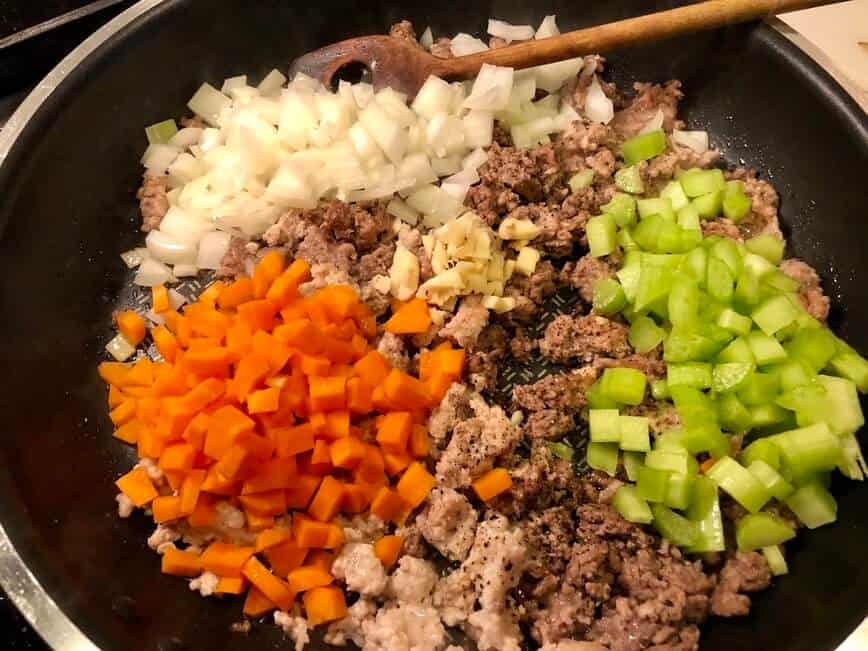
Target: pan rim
23, 588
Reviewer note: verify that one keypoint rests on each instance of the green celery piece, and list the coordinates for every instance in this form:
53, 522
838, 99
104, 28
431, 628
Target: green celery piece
605, 425
816, 346
631, 506
645, 334
629, 275
683, 302
709, 205
707, 438
691, 374
736, 206
765, 450
660, 389
777, 486
672, 439
807, 397
624, 385
632, 462
697, 182
737, 351
702, 498
852, 464
775, 558
657, 206
779, 282
628, 179
838, 407
768, 246
562, 450
688, 218
793, 373
757, 265
675, 528
696, 264
622, 207
747, 290
678, 491
671, 239
674, 460
690, 238
598, 400
733, 415
765, 349
634, 434
730, 376
813, 505
161, 132
626, 241
810, 449
674, 192
581, 180
759, 389
603, 456
727, 252
655, 281
734, 322
647, 232
644, 146
740, 484
609, 297
853, 367
687, 344
787, 333
704, 509
694, 407
601, 234
758, 530
774, 313
770, 414
720, 280
652, 483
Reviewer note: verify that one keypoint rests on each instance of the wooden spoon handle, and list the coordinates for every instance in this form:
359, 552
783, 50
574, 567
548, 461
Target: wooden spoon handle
632, 31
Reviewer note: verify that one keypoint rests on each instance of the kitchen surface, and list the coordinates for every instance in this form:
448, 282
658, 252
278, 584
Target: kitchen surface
835, 36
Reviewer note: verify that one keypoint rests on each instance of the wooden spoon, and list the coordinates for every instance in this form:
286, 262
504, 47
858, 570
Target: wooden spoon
404, 66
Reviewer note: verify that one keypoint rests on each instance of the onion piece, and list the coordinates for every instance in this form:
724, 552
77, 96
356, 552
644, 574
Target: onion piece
212, 248
209, 103
185, 270
388, 135
120, 348
427, 38
134, 257
271, 83
478, 128
176, 299
158, 158
398, 208
551, 76
457, 191
547, 28
598, 107
467, 176
168, 250
695, 140
186, 137
491, 89
463, 44
654, 124
231, 83
475, 159
152, 273
434, 97
509, 32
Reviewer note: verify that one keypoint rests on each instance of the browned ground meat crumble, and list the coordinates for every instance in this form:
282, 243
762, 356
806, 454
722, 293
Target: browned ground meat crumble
549, 559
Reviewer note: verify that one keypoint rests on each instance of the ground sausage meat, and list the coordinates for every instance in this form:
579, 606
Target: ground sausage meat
153, 203
564, 391
810, 292
584, 338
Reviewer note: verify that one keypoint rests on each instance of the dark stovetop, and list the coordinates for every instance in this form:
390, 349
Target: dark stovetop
21, 67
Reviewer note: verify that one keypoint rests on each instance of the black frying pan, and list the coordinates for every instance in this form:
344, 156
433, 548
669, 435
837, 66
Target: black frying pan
67, 210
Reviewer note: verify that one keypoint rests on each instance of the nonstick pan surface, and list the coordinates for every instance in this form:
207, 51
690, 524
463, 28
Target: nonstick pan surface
67, 209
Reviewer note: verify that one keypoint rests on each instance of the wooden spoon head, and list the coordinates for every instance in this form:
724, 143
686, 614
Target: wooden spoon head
393, 62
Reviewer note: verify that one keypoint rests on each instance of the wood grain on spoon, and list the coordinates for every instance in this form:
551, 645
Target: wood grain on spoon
404, 66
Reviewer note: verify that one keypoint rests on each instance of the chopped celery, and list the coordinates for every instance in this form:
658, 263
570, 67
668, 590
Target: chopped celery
757, 265
758, 530
793, 373
647, 232
747, 290
741, 485
816, 346
562, 451
622, 207
779, 282
644, 334
809, 449
734, 416
765, 349
687, 344
694, 407
683, 302
672, 439
765, 450
838, 406
758, 389
629, 274
624, 385
730, 376
678, 491
609, 297
596, 398
770, 414
659, 206
852, 366
673, 460
697, 182
161, 132
675, 528
719, 281
634, 434
605, 425
691, 374
734, 322
632, 462
644, 146
707, 438
652, 483
775, 558
727, 252
704, 509
603, 456
600, 231
736, 204
852, 463
709, 205
631, 506
768, 246
626, 241
777, 486
688, 218
774, 313
675, 193
696, 264
628, 179
813, 505
660, 389
737, 351
581, 180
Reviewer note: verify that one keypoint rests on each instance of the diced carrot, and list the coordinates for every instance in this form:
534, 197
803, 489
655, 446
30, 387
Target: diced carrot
389, 506
309, 532
285, 557
411, 318
266, 271
337, 351
356, 498
492, 483
256, 603
166, 343
137, 486
234, 464
438, 385
263, 401
209, 362
388, 549
178, 457
318, 424
327, 501
236, 293
268, 503
373, 368
180, 563
130, 431
196, 431
212, 293
231, 585
321, 559
299, 495
327, 393
359, 396
258, 315
406, 392
289, 441
312, 365
205, 512
191, 488
224, 426
420, 441
166, 508
366, 320
239, 339
373, 466
337, 424
150, 444
334, 536
160, 299
132, 326
174, 478
308, 577
115, 396
325, 604
321, 458
207, 322
271, 475
347, 452
224, 559
218, 485
124, 412
339, 301
257, 521
272, 538
393, 430
395, 462
415, 484
271, 586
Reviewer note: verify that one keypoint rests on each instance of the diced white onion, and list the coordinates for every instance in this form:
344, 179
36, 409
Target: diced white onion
655, 123
185, 270
551, 76
695, 140
547, 28
446, 165
417, 167
152, 273
134, 257
463, 44
397, 208
491, 89
457, 191
231, 83
385, 132
510, 32
478, 128
475, 159
467, 176
186, 137
434, 97
212, 247
168, 250
271, 83
120, 348
363, 94
598, 107
209, 103
158, 158
427, 38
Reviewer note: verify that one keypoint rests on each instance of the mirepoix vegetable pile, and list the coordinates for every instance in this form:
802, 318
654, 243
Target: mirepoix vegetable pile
745, 361
260, 399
